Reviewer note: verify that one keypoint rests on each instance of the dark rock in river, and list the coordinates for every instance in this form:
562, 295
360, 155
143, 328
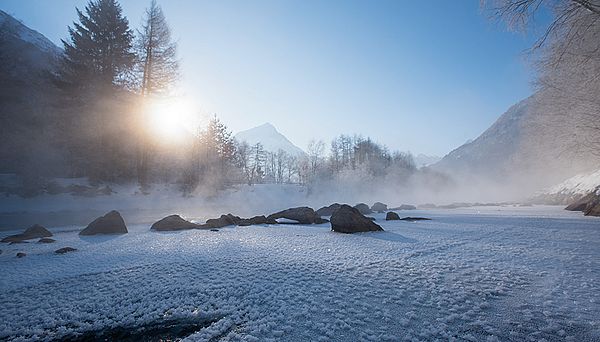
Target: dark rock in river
21, 255
111, 223
173, 222
589, 204
415, 219
65, 250
329, 210
304, 215
391, 216
379, 207
363, 208
350, 220
33, 232
46, 240
223, 221
257, 220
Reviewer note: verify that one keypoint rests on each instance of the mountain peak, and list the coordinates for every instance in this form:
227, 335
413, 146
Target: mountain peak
271, 139
266, 126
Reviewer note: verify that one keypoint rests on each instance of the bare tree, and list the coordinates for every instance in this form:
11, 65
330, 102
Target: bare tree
157, 53
315, 155
569, 66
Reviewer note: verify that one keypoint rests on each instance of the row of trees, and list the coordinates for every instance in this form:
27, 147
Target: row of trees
109, 74
219, 160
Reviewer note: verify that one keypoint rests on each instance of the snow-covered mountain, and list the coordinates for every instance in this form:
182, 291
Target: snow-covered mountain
526, 148
13, 27
425, 160
28, 96
270, 138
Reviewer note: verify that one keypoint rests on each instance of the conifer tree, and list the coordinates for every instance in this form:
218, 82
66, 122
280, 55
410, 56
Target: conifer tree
99, 52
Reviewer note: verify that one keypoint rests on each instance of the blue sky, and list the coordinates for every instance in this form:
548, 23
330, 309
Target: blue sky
423, 76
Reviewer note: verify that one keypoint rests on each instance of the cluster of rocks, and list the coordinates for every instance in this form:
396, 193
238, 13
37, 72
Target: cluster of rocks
34, 232
344, 219
588, 204
302, 215
378, 207
111, 223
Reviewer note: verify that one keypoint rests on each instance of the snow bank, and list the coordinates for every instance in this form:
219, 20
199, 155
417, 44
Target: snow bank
569, 190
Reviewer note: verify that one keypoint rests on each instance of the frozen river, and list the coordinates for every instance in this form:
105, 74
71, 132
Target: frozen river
477, 274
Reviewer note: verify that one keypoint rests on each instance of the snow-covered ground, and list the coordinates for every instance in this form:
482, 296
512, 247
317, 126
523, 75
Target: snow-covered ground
474, 274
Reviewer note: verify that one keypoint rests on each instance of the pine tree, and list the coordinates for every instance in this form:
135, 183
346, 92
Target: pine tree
216, 153
99, 51
157, 53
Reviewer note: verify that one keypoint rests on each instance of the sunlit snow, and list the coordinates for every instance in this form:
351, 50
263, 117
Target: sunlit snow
476, 274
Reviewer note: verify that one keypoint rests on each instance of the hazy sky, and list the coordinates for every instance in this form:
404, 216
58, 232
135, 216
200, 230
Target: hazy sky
423, 76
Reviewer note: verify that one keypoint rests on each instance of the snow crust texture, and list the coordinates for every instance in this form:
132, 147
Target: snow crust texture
528, 275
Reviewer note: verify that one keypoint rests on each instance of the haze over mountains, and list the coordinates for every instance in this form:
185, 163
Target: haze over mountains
525, 147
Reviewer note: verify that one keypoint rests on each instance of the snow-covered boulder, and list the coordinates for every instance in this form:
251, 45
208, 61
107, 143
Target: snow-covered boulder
111, 223
34, 232
173, 222
303, 215
391, 216
379, 207
349, 220
363, 208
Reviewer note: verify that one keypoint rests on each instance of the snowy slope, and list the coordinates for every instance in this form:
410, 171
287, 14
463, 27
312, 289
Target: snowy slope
570, 190
517, 275
12, 26
581, 184
425, 160
28, 98
488, 153
526, 148
270, 138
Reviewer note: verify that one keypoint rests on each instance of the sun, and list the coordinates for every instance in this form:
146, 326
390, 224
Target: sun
170, 119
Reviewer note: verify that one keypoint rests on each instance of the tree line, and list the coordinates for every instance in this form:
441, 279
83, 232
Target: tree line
109, 72
219, 160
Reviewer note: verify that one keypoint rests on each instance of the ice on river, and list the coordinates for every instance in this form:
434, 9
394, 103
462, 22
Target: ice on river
476, 274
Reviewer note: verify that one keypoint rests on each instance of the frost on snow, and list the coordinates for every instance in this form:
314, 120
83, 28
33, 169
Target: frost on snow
485, 275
